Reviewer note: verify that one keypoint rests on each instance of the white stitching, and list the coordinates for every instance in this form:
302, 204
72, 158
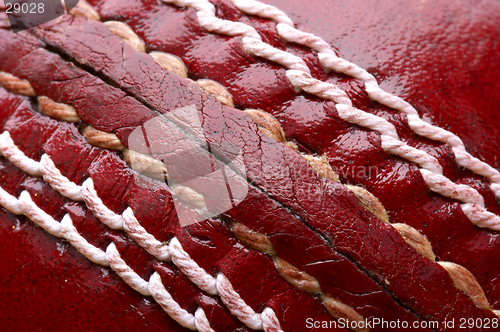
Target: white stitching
263, 10
258, 48
306, 82
201, 321
17, 157
480, 217
38, 216
236, 305
70, 233
215, 24
330, 61
443, 186
300, 78
416, 156
269, 321
174, 310
112, 257
190, 268
435, 133
125, 271
373, 122
101, 211
9, 202
157, 249
66, 229
59, 182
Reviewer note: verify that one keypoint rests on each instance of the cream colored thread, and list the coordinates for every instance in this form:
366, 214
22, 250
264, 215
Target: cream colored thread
17, 157
151, 167
253, 240
217, 90
56, 110
416, 240
466, 282
372, 204
165, 300
299, 279
330, 61
267, 124
102, 139
473, 204
16, 85
477, 214
369, 202
128, 36
156, 169
47, 106
145, 164
170, 63
341, 311
321, 165
189, 196
83, 9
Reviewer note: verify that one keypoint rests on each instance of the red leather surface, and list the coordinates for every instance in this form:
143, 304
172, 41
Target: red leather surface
445, 68
447, 82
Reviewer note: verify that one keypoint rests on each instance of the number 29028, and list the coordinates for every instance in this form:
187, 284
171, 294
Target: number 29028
25, 8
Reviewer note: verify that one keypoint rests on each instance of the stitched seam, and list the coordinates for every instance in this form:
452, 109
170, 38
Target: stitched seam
179, 257
472, 202
62, 189
111, 257
172, 252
